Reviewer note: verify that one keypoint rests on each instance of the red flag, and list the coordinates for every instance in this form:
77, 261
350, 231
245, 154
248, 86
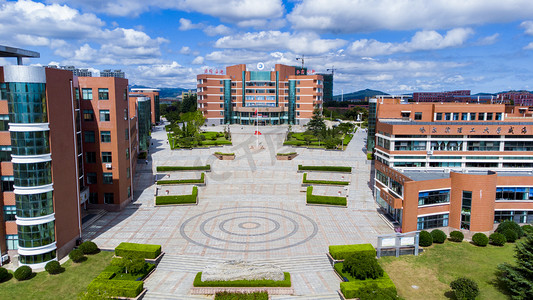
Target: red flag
257, 132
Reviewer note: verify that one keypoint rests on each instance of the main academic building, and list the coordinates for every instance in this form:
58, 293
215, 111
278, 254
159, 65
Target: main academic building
287, 95
453, 165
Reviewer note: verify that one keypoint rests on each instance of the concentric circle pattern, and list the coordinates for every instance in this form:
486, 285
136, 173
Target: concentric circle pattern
249, 229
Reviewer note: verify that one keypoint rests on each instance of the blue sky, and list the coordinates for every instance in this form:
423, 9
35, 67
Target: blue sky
396, 46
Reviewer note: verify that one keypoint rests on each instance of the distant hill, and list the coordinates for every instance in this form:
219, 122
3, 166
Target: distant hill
164, 92
358, 95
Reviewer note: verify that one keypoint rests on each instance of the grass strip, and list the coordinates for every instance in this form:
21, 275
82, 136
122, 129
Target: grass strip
331, 200
241, 296
178, 199
286, 154
183, 181
325, 168
183, 168
330, 182
221, 153
286, 282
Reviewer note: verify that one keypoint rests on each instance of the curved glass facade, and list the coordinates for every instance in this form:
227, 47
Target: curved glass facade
30, 143
32, 174
36, 259
35, 205
31, 236
26, 102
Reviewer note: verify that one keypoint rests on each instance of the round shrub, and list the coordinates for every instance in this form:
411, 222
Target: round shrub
480, 239
510, 235
88, 247
4, 274
53, 267
362, 266
76, 255
23, 273
438, 236
527, 229
497, 239
510, 225
465, 288
456, 236
425, 239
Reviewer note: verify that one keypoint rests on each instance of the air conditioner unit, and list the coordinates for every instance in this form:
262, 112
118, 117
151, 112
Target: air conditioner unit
108, 166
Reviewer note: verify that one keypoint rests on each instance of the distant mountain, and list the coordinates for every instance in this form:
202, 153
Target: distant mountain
164, 92
484, 94
359, 95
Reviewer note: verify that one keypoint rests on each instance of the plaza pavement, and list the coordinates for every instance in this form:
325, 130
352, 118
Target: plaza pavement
252, 208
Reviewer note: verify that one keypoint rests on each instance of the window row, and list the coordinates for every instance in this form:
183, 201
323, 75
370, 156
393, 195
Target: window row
87, 94
433, 197
105, 116
89, 136
92, 178
514, 193
433, 221
32, 236
455, 116
109, 198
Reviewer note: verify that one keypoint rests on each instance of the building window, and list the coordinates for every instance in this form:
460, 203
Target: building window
12, 241
221, 113
125, 94
10, 211
93, 198
90, 157
513, 215
104, 115
4, 121
108, 178
88, 115
91, 178
89, 136
514, 193
106, 157
297, 105
103, 94
5, 153
87, 94
498, 116
464, 116
489, 116
438, 117
127, 153
127, 172
7, 183
418, 116
433, 197
109, 198
472, 116
31, 236
105, 136
129, 191
125, 114
127, 134
434, 221
466, 208
447, 116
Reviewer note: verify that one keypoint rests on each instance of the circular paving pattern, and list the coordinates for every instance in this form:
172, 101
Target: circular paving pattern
249, 229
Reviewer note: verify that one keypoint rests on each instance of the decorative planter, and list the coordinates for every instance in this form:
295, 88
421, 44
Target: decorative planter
225, 156
286, 157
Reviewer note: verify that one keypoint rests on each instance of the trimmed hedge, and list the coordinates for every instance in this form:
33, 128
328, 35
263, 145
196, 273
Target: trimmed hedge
23, 273
286, 154
243, 283
143, 250
465, 288
325, 168
438, 236
76, 255
362, 266
480, 239
106, 275
351, 289
425, 239
88, 247
510, 235
331, 182
183, 168
331, 200
241, 296
4, 274
116, 288
497, 239
178, 199
512, 225
183, 181
340, 252
221, 153
456, 236
53, 267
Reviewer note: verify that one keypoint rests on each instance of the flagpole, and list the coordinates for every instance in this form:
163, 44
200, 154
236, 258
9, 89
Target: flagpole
257, 129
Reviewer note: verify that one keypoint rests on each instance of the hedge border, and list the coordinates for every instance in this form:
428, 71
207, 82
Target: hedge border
328, 182
325, 168
183, 181
224, 154
286, 154
328, 200
178, 199
148, 251
183, 168
349, 289
117, 288
340, 252
286, 282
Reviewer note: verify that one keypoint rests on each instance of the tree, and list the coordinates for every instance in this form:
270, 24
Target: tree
354, 112
189, 104
316, 124
519, 278
194, 119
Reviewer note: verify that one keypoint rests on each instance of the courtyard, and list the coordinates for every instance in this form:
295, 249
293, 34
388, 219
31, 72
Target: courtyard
252, 208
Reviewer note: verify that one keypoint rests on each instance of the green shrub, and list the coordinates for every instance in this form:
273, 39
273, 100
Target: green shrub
116, 288
105, 275
497, 239
330, 200
183, 181
456, 236
480, 239
340, 252
374, 292
53, 267
325, 168
286, 154
503, 226
384, 285
143, 250
241, 296
4, 274
425, 239
330, 182
362, 266
178, 199
183, 168
438, 236
88, 247
76, 255
510, 235
286, 282
222, 153
23, 273
464, 288
527, 229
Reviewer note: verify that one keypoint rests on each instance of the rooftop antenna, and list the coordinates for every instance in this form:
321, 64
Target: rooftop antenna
332, 70
302, 59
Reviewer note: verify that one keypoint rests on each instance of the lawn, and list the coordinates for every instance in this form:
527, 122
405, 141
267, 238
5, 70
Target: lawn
204, 139
67, 285
299, 139
433, 270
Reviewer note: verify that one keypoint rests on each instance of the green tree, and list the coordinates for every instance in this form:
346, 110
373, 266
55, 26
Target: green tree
519, 278
354, 112
316, 124
189, 104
